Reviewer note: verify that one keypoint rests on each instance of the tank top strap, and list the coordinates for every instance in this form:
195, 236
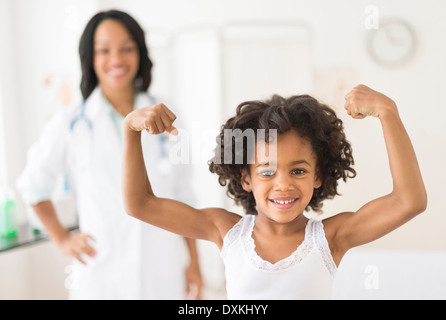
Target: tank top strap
239, 229
321, 244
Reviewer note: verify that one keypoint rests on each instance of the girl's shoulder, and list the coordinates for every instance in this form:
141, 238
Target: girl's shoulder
332, 225
228, 221
224, 220
238, 229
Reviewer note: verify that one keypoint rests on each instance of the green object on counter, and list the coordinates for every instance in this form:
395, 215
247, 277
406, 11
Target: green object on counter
8, 219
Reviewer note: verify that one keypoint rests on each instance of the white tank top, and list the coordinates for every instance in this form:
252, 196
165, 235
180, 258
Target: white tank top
306, 274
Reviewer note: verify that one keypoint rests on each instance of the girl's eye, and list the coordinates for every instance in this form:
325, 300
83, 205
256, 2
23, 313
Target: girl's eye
267, 173
298, 171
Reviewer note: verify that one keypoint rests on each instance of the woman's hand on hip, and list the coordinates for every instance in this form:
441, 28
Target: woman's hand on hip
76, 245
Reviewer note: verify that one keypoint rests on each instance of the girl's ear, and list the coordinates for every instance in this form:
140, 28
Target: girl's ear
246, 180
317, 181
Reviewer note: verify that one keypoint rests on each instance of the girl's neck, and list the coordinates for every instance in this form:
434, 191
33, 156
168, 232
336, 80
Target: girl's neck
264, 224
121, 100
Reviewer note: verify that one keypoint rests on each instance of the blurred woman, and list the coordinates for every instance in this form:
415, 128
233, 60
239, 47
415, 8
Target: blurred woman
116, 256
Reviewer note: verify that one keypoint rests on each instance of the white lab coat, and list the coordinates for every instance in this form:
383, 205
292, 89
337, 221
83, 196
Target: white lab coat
134, 260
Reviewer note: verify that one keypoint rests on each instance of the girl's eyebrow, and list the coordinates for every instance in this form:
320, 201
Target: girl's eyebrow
300, 162
264, 163
292, 163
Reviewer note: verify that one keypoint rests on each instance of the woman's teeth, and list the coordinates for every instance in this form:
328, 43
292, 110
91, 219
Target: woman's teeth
117, 71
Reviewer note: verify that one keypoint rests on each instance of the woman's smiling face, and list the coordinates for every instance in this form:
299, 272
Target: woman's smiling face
283, 184
116, 55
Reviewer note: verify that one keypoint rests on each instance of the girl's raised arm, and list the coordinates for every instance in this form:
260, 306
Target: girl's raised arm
408, 197
139, 199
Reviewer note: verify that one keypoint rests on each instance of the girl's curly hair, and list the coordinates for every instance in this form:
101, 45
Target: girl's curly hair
312, 120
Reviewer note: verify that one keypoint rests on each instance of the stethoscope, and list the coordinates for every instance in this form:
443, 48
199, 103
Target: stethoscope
81, 140
81, 117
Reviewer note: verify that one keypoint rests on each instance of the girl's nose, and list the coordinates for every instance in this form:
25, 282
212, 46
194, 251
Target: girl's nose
283, 182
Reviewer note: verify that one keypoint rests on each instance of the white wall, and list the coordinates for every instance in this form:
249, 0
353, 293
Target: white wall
7, 96
339, 53
381, 275
42, 38
39, 55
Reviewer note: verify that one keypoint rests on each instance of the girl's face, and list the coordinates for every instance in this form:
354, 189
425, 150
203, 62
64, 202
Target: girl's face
116, 56
283, 185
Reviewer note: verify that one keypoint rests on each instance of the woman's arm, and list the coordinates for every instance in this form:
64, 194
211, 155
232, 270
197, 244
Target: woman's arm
139, 198
194, 280
72, 244
408, 197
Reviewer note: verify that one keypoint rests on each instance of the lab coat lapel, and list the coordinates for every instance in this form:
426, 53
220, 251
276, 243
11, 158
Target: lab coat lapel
94, 104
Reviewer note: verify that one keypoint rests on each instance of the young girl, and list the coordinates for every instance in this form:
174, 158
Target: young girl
275, 252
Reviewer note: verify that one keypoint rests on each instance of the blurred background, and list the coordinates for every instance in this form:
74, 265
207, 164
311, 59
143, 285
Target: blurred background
210, 55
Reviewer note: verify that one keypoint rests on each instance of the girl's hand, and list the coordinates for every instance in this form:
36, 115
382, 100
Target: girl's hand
362, 101
76, 244
155, 119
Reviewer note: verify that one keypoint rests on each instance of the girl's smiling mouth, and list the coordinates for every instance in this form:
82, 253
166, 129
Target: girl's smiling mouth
283, 202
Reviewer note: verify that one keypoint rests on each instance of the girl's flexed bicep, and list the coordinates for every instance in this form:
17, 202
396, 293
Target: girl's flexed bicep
207, 224
408, 197
139, 199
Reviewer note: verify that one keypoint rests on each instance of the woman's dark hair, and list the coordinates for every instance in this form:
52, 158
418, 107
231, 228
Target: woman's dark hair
312, 120
86, 51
